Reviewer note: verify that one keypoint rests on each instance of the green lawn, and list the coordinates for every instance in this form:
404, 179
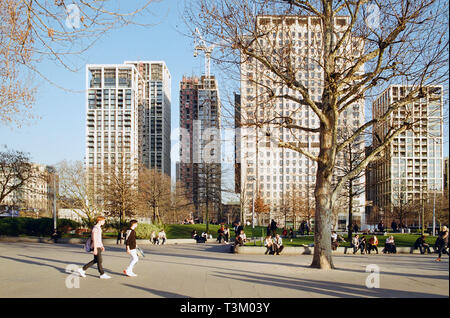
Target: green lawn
401, 240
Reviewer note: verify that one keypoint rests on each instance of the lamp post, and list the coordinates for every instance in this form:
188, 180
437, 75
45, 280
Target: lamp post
253, 203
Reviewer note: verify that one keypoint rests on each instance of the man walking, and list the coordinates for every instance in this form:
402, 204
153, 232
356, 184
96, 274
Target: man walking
96, 237
131, 248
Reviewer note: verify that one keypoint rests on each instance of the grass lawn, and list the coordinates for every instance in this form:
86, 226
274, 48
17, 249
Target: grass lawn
401, 240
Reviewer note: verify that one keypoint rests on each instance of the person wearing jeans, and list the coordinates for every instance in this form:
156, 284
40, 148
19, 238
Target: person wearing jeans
96, 236
131, 248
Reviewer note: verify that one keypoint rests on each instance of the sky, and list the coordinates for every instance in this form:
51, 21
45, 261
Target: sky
59, 133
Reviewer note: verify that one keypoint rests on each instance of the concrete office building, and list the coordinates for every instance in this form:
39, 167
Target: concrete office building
278, 174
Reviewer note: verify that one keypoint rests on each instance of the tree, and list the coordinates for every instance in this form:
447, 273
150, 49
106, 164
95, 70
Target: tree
33, 30
118, 190
154, 191
76, 193
15, 171
354, 57
348, 159
260, 208
180, 206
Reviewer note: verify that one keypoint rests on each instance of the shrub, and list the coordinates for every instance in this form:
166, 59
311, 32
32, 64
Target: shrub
144, 230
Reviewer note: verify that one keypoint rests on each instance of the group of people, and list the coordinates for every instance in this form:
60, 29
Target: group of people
273, 246
160, 239
96, 247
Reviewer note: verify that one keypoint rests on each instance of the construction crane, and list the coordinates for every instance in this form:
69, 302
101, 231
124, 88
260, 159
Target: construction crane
200, 45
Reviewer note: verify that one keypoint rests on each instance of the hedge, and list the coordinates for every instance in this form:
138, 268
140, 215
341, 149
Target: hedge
34, 227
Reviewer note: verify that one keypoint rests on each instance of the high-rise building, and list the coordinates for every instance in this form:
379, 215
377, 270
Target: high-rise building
200, 165
113, 99
128, 116
412, 167
154, 115
279, 175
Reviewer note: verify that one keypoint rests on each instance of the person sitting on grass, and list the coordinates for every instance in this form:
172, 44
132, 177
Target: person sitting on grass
421, 245
162, 237
268, 243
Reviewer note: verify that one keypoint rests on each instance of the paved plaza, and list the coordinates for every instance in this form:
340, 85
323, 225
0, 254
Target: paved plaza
207, 270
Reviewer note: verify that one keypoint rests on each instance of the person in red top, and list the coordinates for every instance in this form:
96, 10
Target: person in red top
373, 244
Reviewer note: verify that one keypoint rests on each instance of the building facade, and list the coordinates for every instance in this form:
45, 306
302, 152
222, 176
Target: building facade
200, 153
413, 163
282, 176
36, 196
127, 117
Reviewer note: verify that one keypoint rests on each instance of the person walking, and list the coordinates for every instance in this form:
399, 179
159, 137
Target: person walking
96, 237
394, 226
355, 243
273, 227
373, 244
362, 244
441, 243
130, 242
278, 244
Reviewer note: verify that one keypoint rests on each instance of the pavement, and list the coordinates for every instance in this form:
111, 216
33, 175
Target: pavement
208, 270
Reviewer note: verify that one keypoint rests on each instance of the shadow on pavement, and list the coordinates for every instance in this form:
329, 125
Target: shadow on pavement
62, 270
158, 292
327, 289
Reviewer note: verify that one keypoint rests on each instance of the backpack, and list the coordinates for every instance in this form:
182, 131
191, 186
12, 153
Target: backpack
88, 246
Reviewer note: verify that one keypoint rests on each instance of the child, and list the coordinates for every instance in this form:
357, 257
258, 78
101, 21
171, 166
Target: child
131, 248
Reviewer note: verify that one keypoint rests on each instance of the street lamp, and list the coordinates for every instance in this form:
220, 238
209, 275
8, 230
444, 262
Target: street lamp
253, 202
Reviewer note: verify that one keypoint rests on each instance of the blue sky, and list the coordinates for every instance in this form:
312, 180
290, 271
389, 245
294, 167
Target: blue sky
59, 134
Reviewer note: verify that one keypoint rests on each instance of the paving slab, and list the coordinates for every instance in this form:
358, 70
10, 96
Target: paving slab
207, 270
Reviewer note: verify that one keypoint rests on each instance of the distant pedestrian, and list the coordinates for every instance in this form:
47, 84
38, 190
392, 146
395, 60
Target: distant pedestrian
238, 229
380, 226
273, 227
291, 234
394, 226
120, 236
284, 232
98, 248
307, 228
334, 241
268, 231
441, 244
355, 228
362, 244
130, 242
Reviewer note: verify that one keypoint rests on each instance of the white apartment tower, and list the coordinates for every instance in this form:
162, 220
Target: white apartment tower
154, 115
413, 164
113, 96
267, 170
128, 116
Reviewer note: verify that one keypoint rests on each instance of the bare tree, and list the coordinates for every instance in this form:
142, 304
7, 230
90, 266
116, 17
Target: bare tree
33, 30
355, 59
154, 191
15, 172
76, 193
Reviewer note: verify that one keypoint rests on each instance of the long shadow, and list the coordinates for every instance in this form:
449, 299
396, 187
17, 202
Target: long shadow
197, 257
158, 292
329, 289
35, 263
